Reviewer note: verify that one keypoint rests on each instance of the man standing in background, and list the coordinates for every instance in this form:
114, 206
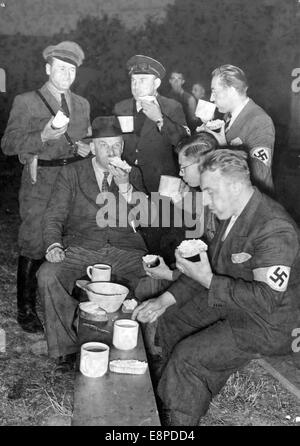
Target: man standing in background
186, 99
245, 123
43, 148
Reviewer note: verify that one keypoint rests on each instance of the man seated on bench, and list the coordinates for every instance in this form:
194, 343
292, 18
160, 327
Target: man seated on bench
239, 301
77, 234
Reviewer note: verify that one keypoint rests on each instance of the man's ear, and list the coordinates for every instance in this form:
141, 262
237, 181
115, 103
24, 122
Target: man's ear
48, 69
92, 146
236, 188
157, 82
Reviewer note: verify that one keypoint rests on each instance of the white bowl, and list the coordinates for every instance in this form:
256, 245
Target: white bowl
107, 295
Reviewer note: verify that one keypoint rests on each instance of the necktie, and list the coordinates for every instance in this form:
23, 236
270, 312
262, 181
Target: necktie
64, 105
227, 122
139, 120
105, 185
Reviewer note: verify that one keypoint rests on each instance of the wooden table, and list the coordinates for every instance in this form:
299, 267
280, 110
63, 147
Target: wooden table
114, 399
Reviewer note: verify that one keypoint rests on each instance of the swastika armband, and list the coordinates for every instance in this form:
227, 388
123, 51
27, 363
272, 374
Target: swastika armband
262, 154
277, 276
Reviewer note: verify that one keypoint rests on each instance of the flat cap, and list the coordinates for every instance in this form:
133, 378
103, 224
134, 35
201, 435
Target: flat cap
140, 64
105, 127
67, 51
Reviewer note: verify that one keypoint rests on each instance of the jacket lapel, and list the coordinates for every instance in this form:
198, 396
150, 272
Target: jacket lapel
54, 104
87, 182
150, 125
234, 130
240, 229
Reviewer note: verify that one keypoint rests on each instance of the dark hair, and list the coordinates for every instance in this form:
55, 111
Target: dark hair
231, 163
231, 76
197, 146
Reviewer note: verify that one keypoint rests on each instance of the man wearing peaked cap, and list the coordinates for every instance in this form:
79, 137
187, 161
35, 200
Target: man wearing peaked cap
158, 126
44, 148
67, 51
140, 64
88, 213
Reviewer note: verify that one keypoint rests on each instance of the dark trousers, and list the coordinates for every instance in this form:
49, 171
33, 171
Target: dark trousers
200, 354
57, 280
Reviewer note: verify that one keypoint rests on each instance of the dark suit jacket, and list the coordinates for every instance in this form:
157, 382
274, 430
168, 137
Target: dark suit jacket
72, 218
153, 150
22, 137
255, 129
262, 318
29, 116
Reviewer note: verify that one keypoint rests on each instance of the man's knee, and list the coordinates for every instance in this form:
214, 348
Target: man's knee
46, 274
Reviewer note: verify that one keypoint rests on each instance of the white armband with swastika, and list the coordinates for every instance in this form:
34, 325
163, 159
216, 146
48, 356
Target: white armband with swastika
262, 154
277, 276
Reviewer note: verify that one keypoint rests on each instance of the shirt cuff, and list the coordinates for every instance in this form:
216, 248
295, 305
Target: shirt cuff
54, 245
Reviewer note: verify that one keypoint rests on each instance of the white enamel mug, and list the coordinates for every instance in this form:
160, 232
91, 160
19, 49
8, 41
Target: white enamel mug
94, 359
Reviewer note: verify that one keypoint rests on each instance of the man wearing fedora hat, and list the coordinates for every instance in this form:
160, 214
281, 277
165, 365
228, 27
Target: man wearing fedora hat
44, 148
159, 124
74, 238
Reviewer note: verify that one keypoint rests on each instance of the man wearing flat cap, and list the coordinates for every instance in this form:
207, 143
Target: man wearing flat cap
159, 124
77, 234
44, 145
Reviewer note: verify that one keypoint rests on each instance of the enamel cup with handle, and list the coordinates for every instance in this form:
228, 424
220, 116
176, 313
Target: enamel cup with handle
100, 272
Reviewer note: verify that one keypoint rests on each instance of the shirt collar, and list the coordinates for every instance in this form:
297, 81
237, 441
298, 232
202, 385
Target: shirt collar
237, 111
57, 94
99, 172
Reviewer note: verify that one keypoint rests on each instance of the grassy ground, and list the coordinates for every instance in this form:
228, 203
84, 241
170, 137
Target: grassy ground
31, 394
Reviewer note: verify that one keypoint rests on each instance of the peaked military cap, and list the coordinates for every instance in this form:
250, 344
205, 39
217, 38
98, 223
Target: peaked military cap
67, 51
140, 64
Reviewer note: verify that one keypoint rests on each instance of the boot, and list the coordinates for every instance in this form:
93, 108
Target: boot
26, 294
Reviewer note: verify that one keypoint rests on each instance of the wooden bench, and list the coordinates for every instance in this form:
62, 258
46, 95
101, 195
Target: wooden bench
114, 399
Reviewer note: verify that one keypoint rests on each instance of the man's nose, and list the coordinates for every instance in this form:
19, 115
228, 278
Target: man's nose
212, 97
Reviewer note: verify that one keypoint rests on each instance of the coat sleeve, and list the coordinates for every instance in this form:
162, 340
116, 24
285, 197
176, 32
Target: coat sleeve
23, 132
58, 207
184, 289
174, 127
260, 140
275, 250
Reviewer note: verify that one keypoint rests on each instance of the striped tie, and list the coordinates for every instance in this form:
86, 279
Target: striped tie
105, 185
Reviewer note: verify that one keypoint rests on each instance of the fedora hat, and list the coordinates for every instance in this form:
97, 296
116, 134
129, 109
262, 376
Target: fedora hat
105, 127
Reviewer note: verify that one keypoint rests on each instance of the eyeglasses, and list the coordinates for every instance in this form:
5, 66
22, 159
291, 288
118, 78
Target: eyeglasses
184, 167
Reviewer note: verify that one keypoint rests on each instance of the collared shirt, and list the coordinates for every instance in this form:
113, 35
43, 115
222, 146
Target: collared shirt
124, 189
236, 112
57, 94
229, 227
